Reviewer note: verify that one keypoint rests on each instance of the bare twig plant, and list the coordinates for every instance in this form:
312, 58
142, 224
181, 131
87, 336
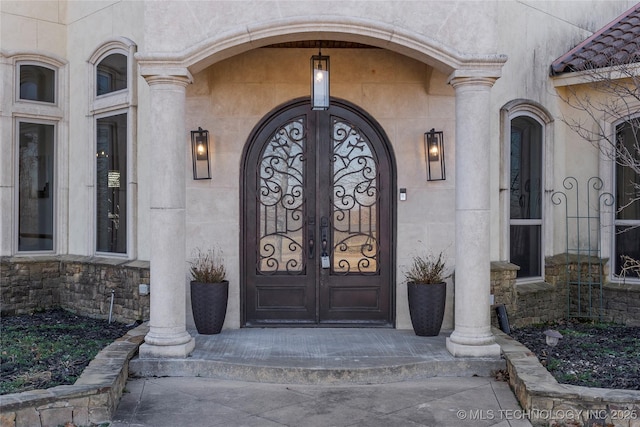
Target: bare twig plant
427, 269
630, 266
613, 97
207, 266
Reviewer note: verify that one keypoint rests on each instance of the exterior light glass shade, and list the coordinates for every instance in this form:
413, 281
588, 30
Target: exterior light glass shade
319, 82
200, 153
434, 155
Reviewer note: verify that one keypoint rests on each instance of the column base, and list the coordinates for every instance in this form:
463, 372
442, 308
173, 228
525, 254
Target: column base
180, 351
154, 351
474, 348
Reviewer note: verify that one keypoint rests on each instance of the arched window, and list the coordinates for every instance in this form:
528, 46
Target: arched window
113, 110
111, 74
525, 177
38, 123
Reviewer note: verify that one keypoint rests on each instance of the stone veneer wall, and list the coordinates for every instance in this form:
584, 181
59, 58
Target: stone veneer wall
503, 288
84, 284
76, 283
532, 303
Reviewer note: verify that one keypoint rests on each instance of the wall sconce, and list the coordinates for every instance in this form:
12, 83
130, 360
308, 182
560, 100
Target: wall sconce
200, 153
434, 153
319, 82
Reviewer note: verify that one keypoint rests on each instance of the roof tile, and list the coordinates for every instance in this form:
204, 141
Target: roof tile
615, 44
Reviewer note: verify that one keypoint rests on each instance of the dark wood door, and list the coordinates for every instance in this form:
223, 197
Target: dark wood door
317, 220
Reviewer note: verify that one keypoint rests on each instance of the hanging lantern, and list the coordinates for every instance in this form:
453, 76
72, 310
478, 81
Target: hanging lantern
319, 82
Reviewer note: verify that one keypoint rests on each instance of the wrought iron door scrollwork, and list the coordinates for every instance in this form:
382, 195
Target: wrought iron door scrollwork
355, 200
281, 197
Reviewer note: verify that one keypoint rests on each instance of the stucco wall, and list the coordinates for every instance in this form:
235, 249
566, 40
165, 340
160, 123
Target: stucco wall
534, 34
447, 21
405, 96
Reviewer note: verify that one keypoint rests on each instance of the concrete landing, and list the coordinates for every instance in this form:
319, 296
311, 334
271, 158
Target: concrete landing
442, 402
318, 356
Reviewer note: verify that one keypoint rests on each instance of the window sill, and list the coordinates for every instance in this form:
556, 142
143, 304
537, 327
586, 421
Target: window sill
533, 287
619, 285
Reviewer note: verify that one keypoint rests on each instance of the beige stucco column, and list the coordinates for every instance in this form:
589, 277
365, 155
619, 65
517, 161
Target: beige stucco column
472, 334
167, 335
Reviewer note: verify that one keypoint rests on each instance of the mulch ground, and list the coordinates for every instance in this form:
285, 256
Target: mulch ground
50, 348
53, 348
588, 354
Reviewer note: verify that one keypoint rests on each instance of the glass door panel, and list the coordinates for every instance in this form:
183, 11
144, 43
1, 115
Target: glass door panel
355, 198
281, 196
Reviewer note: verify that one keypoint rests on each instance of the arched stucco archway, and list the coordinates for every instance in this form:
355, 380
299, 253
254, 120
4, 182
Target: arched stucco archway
327, 27
471, 76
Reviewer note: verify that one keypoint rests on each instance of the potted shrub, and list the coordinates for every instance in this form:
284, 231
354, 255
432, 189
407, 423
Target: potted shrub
427, 292
209, 291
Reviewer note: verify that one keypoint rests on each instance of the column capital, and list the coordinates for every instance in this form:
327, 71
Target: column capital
473, 78
159, 75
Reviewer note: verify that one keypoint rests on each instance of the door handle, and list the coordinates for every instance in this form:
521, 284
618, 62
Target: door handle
312, 243
311, 246
324, 234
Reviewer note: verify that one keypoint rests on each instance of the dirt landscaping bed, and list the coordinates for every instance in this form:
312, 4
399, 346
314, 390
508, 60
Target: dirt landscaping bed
53, 348
588, 354
50, 348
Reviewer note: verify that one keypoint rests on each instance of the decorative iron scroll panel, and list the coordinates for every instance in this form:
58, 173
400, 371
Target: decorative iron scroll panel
317, 220
281, 196
584, 268
354, 202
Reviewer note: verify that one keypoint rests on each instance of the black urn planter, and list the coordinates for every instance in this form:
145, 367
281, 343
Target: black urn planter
209, 306
426, 307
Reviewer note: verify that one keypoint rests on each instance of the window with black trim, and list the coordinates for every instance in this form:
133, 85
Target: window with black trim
37, 83
36, 186
526, 196
111, 184
627, 192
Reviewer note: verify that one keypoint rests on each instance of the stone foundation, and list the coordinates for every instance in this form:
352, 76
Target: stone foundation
622, 303
531, 303
83, 285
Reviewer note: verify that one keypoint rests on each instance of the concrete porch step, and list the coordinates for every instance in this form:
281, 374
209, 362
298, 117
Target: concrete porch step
318, 356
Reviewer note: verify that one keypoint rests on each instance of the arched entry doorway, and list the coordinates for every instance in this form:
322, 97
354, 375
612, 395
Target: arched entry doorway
318, 219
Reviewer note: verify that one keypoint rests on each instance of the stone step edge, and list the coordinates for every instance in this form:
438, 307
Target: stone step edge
313, 375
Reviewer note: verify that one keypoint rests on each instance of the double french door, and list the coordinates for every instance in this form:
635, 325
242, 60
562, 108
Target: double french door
317, 220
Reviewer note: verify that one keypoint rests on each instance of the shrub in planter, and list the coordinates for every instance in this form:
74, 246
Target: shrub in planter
427, 292
209, 291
